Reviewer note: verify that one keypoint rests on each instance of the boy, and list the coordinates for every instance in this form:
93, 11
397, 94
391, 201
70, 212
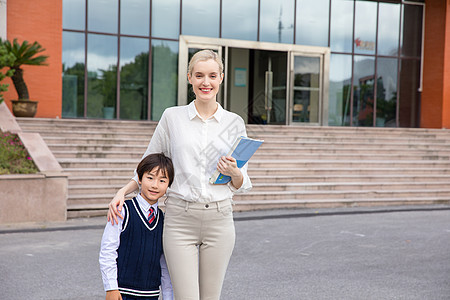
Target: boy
131, 255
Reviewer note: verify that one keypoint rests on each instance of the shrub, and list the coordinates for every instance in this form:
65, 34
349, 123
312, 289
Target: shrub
14, 158
6, 60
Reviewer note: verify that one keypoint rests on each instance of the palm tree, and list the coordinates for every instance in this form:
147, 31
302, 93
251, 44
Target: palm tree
24, 54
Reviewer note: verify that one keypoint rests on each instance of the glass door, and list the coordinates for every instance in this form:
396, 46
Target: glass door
267, 88
306, 89
265, 83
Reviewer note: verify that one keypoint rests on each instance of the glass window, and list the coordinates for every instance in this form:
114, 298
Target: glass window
73, 75
166, 18
363, 90
341, 25
388, 29
277, 21
312, 22
386, 92
74, 14
409, 95
244, 13
365, 27
164, 76
306, 89
133, 78
102, 79
340, 87
135, 17
103, 15
201, 19
412, 30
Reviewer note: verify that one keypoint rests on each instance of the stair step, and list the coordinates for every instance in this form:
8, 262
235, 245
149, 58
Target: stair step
265, 195
306, 166
281, 179
292, 187
350, 178
132, 163
132, 153
91, 210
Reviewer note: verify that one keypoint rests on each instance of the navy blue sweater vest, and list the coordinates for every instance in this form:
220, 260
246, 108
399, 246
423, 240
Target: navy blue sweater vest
139, 253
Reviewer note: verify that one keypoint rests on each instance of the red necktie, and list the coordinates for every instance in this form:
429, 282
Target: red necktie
151, 215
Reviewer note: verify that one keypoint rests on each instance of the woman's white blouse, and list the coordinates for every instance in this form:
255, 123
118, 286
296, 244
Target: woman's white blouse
195, 146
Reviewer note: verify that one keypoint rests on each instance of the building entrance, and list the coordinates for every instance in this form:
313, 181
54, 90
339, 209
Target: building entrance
265, 83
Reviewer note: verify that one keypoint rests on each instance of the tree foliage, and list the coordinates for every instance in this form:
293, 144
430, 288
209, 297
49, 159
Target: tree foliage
6, 60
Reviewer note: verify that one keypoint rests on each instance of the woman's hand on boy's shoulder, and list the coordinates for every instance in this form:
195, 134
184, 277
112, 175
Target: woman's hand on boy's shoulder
113, 295
115, 208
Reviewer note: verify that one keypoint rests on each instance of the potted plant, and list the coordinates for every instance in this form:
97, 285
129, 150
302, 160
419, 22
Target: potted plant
24, 54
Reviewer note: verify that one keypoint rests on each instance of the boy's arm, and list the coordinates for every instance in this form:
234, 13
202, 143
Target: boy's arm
113, 295
166, 283
108, 254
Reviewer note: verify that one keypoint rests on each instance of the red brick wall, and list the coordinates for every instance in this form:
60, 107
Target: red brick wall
39, 21
435, 102
446, 95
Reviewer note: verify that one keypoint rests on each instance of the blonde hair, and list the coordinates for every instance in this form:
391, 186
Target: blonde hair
205, 55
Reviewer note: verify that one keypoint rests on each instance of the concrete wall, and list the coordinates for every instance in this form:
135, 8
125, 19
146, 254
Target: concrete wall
3, 19
32, 197
238, 95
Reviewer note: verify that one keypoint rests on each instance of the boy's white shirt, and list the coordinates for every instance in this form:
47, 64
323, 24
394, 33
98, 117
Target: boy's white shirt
108, 254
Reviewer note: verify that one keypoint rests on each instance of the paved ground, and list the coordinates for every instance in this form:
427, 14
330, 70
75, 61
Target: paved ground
351, 253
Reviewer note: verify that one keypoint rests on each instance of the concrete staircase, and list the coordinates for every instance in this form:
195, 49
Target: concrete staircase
295, 167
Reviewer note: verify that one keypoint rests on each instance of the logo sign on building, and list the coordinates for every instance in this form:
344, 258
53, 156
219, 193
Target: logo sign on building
364, 45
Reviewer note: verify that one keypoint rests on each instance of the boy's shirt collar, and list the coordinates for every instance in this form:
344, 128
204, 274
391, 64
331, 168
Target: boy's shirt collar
144, 205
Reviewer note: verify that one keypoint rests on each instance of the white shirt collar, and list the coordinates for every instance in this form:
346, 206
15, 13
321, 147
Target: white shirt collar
144, 205
192, 110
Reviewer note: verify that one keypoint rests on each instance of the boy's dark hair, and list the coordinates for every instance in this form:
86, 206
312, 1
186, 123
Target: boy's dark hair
156, 160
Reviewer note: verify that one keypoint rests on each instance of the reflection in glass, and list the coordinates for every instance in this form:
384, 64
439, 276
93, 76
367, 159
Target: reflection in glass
277, 21
279, 63
363, 90
73, 75
341, 25
340, 86
244, 13
164, 76
166, 18
386, 92
388, 28
102, 79
74, 14
412, 30
135, 17
268, 67
200, 19
365, 26
409, 95
103, 15
312, 22
306, 89
133, 78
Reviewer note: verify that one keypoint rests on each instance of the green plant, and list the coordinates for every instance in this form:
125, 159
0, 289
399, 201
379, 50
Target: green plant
24, 54
14, 158
6, 59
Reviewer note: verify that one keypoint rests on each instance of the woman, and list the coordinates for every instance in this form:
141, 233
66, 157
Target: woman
199, 231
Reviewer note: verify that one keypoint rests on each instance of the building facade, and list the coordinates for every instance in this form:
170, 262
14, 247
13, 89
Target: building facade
293, 62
